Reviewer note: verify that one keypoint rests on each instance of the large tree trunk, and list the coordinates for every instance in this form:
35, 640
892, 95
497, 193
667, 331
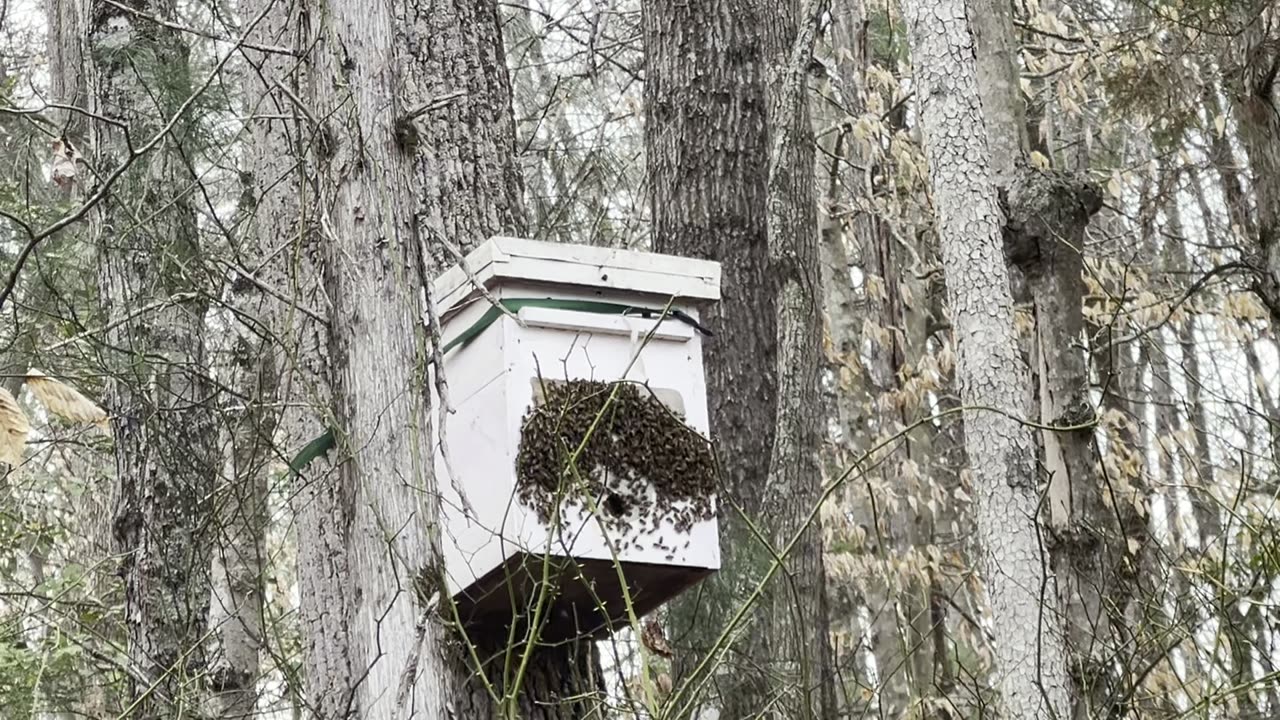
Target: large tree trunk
451, 57
722, 190
1096, 527
472, 190
706, 151
373, 578
417, 156
1030, 657
159, 394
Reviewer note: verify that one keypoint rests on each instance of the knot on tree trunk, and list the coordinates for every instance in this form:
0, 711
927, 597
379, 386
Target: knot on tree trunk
1077, 415
1042, 207
225, 679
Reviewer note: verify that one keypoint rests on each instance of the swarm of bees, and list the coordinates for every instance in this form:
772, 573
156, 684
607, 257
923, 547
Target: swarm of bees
626, 450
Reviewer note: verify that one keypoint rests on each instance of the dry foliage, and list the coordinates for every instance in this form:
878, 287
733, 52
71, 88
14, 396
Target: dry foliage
65, 401
13, 429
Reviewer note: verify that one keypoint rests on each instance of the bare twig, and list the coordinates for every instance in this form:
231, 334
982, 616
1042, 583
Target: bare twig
134, 154
297, 102
432, 322
157, 305
475, 282
246, 275
436, 103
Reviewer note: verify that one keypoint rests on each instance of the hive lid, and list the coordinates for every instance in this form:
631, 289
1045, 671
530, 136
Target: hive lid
505, 259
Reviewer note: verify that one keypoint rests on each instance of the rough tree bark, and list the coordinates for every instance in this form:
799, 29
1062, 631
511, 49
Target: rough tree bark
797, 633
416, 156
280, 293
1095, 531
1030, 658
706, 150
370, 588
68, 86
159, 394
452, 56
67, 81
851, 224
731, 173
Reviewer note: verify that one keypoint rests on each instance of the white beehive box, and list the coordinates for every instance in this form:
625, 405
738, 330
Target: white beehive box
495, 543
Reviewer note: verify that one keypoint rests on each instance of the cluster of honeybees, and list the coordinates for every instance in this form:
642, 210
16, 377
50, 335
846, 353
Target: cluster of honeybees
636, 458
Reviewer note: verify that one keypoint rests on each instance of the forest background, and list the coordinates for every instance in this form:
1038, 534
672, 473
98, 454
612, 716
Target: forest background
995, 387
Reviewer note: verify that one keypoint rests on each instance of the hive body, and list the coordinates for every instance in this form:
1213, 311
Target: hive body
583, 321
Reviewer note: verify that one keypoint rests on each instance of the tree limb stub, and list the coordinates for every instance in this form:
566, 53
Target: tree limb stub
1042, 207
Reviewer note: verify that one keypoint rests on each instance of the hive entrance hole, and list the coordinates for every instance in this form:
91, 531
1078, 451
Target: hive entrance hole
615, 505
633, 454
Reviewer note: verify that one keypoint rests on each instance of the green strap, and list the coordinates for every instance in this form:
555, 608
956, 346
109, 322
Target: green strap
325, 442
313, 450
515, 304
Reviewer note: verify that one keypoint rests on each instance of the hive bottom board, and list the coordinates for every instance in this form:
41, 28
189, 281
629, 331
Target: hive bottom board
584, 595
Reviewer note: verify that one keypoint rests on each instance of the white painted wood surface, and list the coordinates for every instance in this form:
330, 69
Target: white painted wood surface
506, 259
492, 382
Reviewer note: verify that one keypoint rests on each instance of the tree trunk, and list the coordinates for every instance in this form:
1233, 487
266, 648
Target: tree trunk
797, 634
1097, 528
417, 156
235, 608
451, 54
731, 173
1204, 490
370, 643
706, 154
159, 395
848, 391
991, 22
1030, 656
268, 349
1254, 94
68, 84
